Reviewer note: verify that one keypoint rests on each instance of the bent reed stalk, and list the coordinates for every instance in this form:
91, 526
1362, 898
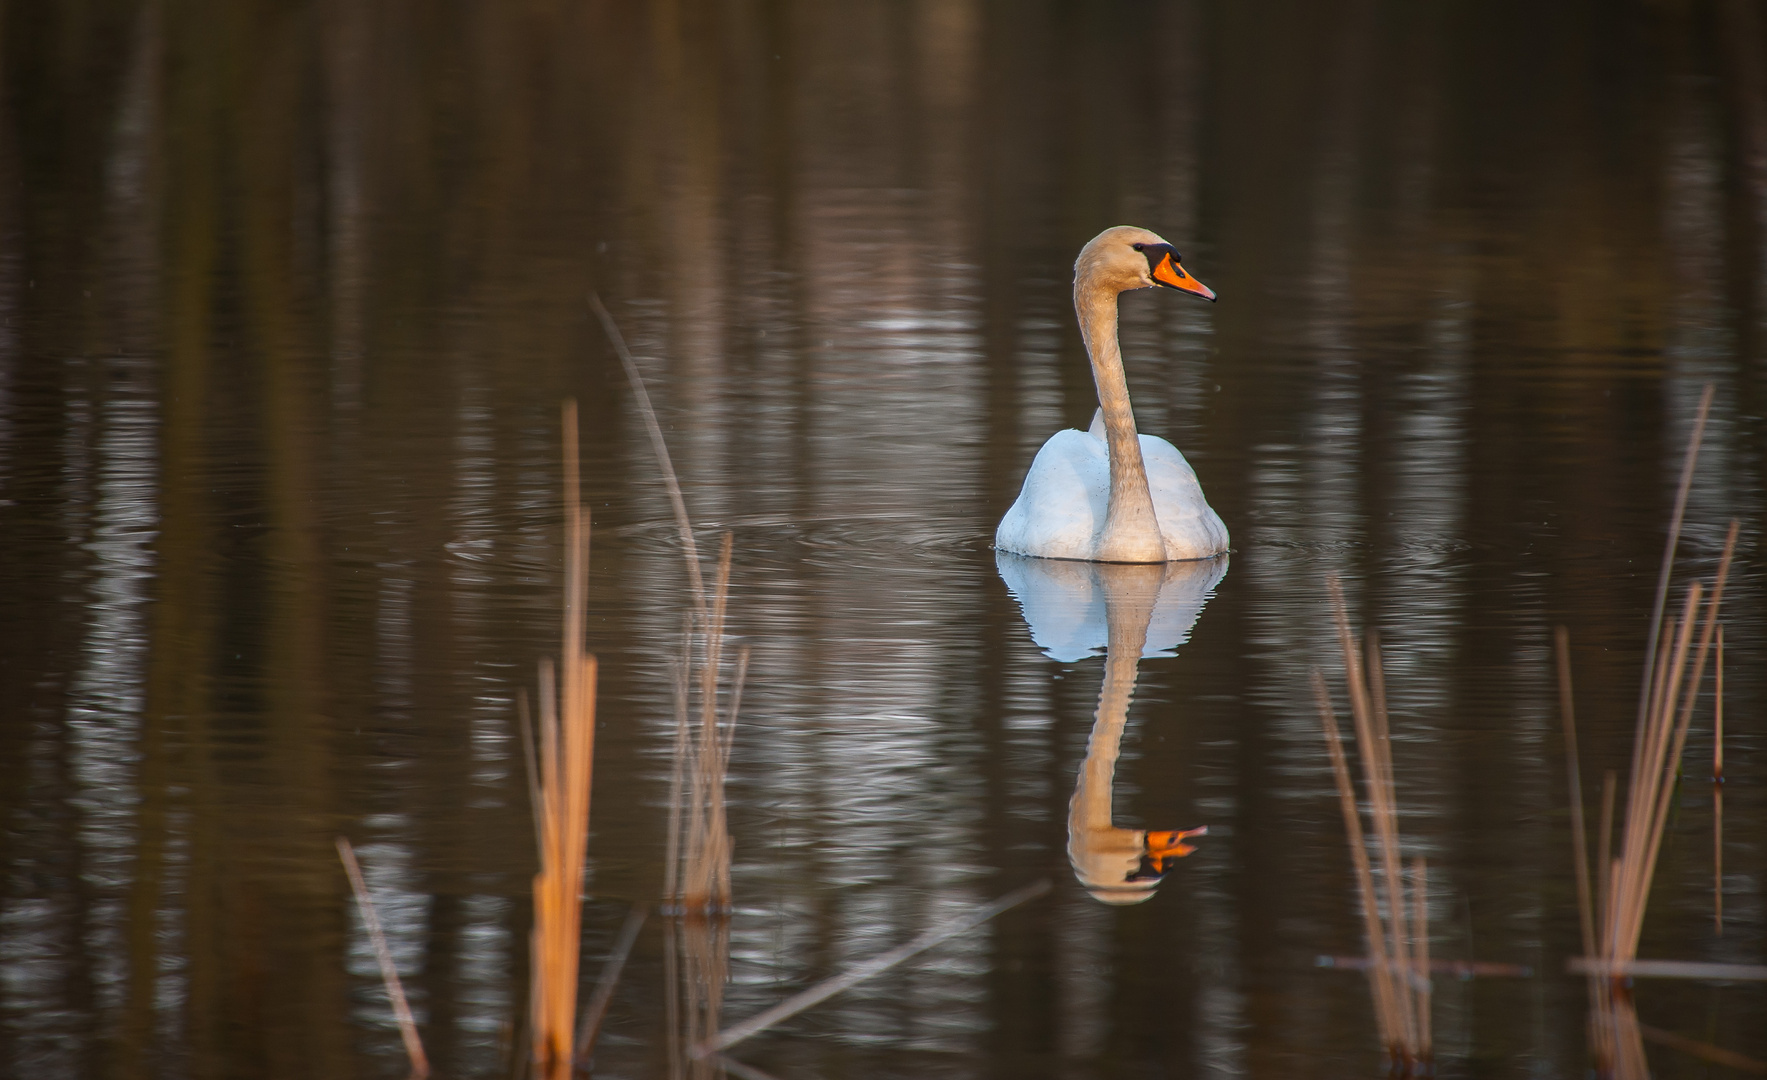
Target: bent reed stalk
696, 874
383, 955
1398, 934
859, 973
698, 849
560, 785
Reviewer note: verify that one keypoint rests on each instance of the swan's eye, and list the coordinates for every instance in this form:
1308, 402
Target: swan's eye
1139, 247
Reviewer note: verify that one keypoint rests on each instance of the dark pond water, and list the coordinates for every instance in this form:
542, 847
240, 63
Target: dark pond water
290, 295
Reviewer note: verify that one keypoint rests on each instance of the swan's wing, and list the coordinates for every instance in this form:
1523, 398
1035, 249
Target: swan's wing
1062, 505
1166, 468
1191, 528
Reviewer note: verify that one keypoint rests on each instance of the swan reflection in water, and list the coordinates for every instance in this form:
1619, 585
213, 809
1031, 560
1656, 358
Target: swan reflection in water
1130, 611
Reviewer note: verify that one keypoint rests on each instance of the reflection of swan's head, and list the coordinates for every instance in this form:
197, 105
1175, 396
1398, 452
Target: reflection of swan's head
1122, 866
1125, 257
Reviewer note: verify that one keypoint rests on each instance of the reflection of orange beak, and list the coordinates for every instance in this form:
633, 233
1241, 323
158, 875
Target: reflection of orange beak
1173, 276
1170, 845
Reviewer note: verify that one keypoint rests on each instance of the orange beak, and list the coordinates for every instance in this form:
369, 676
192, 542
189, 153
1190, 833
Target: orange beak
1170, 845
1173, 276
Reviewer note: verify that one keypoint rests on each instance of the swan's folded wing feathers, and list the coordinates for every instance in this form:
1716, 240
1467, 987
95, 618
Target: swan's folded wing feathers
1062, 504
1190, 527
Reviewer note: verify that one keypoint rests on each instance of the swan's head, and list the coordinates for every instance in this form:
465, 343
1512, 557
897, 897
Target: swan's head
1122, 866
1125, 258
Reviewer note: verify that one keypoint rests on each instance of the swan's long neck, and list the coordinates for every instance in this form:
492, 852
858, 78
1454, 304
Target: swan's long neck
1131, 529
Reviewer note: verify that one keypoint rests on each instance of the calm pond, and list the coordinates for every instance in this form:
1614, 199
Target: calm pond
291, 294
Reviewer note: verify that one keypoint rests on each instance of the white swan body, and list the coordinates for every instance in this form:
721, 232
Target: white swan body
1111, 494
1062, 508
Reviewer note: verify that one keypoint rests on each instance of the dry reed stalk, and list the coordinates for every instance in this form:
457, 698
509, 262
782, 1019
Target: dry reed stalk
678, 766
1420, 980
1579, 831
1459, 969
672, 1003
658, 445
1399, 977
596, 1010
1705, 1051
1718, 791
1380, 971
1603, 1037
1627, 1037
877, 965
672, 853
530, 756
1694, 438
1586, 904
1605, 848
566, 759
1670, 969
741, 1070
389, 973
1377, 768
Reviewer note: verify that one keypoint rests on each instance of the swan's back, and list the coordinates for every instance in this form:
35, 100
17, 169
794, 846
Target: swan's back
1061, 508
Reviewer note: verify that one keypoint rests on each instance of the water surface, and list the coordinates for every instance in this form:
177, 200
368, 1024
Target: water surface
289, 298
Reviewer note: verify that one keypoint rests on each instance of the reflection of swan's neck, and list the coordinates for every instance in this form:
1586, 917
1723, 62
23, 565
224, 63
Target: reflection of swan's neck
1131, 529
1091, 807
1106, 857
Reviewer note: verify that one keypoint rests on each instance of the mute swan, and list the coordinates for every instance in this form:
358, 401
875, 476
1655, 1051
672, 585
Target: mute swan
1107, 494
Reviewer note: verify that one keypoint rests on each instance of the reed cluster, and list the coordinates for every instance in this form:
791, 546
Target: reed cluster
696, 876
697, 860
696, 882
1398, 933
558, 788
1612, 907
697, 856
